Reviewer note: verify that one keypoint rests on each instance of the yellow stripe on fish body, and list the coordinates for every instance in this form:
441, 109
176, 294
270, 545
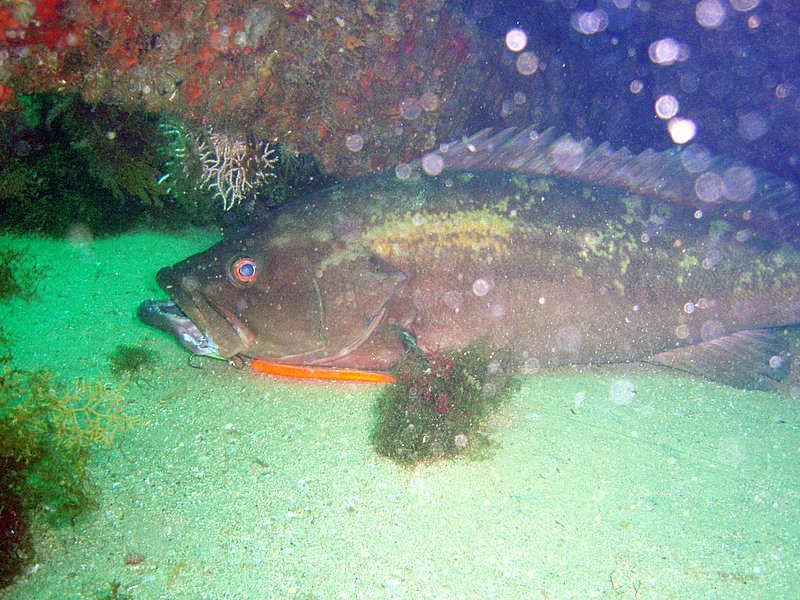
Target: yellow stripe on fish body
474, 234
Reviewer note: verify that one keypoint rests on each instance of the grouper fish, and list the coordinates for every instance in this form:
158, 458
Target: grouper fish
564, 251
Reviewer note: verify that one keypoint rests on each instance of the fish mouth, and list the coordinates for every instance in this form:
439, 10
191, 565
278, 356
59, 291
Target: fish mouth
198, 324
167, 316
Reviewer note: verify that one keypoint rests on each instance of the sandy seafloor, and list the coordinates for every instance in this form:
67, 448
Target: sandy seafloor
235, 485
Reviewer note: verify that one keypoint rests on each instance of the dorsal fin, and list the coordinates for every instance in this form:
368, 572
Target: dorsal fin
750, 198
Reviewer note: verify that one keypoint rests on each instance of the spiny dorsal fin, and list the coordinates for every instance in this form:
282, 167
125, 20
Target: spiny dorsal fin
751, 359
750, 198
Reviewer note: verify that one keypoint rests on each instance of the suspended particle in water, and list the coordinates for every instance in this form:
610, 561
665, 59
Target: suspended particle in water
531, 366
712, 259
481, 287
589, 22
783, 90
569, 339
506, 108
667, 51
429, 101
776, 362
682, 332
402, 171
708, 187
744, 5
738, 184
667, 106
433, 164
240, 39
710, 13
354, 142
527, 63
516, 40
22, 148
410, 108
752, 126
453, 299
568, 155
696, 158
622, 392
681, 130
712, 330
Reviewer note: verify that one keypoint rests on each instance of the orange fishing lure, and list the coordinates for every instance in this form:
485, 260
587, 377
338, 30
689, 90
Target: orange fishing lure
320, 373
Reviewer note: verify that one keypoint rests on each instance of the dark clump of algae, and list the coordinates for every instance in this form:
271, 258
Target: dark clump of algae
18, 274
131, 362
438, 407
48, 428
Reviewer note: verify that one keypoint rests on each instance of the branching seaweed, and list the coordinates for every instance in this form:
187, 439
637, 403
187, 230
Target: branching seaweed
47, 431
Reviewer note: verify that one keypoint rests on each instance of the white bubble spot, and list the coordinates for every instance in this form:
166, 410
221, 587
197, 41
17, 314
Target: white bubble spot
667, 51
402, 171
622, 392
481, 287
681, 130
354, 142
433, 164
516, 40
776, 362
710, 13
527, 63
667, 106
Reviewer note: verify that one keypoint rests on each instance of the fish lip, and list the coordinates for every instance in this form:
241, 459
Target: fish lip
215, 327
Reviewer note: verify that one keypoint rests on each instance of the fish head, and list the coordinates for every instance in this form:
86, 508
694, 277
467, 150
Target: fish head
295, 299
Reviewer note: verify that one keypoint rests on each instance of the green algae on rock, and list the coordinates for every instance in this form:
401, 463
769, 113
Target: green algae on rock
47, 432
439, 405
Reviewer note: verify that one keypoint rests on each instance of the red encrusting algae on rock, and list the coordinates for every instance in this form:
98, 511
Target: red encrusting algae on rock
283, 71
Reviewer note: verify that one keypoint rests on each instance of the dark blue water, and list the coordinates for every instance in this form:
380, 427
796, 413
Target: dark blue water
737, 76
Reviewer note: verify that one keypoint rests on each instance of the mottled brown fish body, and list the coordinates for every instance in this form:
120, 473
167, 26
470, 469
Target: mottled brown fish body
561, 271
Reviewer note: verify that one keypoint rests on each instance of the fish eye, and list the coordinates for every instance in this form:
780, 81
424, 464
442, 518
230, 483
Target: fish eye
242, 271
